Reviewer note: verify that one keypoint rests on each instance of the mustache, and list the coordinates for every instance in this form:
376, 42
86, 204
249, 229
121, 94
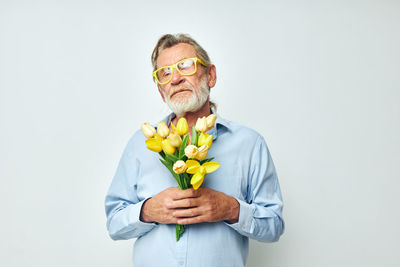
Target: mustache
179, 88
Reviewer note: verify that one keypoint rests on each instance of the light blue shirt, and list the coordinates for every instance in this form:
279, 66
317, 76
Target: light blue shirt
247, 173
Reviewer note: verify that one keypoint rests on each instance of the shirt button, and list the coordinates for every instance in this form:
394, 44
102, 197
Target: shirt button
181, 262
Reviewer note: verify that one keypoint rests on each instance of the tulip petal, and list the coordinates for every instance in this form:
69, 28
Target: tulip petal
182, 126
202, 153
153, 144
162, 129
191, 163
179, 167
205, 139
211, 121
173, 127
209, 140
211, 166
201, 124
196, 186
202, 139
148, 130
192, 166
175, 140
158, 138
166, 147
197, 180
191, 151
154, 149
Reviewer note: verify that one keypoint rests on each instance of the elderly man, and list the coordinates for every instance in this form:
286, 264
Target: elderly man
240, 200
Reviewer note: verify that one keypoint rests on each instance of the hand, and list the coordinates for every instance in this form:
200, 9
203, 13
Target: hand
190, 206
204, 205
156, 209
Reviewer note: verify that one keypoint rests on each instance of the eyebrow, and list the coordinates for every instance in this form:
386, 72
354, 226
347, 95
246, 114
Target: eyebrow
175, 62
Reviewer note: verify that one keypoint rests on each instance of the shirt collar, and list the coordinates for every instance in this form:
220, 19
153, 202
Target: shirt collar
169, 118
221, 125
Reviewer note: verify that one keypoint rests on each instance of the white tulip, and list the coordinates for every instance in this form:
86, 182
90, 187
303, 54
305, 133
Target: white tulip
179, 167
191, 151
162, 129
148, 130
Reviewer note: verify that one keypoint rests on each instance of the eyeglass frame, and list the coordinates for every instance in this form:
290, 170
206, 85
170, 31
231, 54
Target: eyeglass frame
174, 66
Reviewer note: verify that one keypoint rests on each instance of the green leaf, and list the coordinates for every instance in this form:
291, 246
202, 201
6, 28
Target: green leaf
179, 229
183, 146
187, 178
175, 175
195, 135
171, 158
183, 181
177, 178
205, 160
166, 163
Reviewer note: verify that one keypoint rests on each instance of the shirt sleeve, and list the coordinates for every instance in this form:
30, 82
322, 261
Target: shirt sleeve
260, 216
122, 204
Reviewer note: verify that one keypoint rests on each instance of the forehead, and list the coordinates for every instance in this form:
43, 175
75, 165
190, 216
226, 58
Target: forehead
175, 53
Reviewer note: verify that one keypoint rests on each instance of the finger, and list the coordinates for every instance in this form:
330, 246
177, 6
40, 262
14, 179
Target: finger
182, 203
187, 213
187, 193
192, 220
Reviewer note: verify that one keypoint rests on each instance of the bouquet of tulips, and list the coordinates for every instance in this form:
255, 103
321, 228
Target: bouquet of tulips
186, 162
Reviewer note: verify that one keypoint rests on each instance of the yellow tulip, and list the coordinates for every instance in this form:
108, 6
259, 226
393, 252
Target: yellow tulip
211, 119
179, 167
154, 143
167, 147
162, 129
175, 140
202, 152
198, 171
191, 151
148, 130
205, 139
182, 127
201, 124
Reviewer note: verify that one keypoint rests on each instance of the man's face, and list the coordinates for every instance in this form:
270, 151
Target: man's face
183, 93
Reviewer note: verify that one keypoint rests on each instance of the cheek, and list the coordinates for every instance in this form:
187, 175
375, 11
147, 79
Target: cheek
165, 90
195, 83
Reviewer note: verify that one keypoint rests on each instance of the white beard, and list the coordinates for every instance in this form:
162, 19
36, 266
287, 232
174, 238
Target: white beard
191, 104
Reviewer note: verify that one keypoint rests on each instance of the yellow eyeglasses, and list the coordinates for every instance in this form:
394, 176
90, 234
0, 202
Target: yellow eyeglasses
185, 67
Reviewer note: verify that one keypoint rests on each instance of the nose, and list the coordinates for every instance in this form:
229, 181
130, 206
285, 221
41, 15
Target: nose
177, 78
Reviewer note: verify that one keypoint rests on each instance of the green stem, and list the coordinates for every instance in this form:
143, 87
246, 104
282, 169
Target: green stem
179, 229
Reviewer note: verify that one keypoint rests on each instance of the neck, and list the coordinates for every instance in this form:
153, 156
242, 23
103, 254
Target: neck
191, 117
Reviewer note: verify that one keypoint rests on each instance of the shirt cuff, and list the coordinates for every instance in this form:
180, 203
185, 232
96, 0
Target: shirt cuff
246, 212
134, 218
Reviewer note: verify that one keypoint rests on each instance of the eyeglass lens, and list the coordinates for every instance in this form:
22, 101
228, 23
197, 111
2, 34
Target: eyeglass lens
185, 67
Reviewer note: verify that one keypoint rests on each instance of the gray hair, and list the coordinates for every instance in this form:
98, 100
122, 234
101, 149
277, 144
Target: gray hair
170, 40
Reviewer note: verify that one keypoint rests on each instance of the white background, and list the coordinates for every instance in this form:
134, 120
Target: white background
318, 79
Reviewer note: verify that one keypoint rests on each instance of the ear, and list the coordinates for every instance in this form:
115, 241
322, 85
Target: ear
212, 75
160, 90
